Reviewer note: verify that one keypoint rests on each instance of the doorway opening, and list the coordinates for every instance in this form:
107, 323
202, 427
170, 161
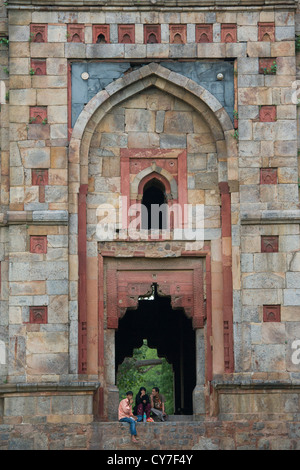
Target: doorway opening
154, 214
168, 331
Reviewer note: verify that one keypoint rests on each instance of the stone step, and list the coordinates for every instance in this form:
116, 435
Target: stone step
181, 418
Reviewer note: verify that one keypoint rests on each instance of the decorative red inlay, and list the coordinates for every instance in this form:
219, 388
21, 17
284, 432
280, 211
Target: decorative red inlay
82, 268
269, 244
101, 34
38, 33
228, 32
126, 34
268, 176
75, 32
39, 177
185, 287
38, 244
271, 313
177, 33
152, 34
39, 66
38, 115
204, 33
266, 32
267, 113
38, 314
267, 66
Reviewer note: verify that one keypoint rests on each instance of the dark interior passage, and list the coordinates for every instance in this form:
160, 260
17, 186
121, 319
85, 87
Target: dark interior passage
153, 210
171, 333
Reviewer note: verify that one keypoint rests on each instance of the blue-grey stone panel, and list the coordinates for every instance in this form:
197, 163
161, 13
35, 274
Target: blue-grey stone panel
103, 73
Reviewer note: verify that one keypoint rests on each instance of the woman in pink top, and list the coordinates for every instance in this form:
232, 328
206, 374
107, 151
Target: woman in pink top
126, 415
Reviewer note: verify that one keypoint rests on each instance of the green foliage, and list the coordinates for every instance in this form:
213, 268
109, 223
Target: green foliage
130, 377
272, 70
4, 41
236, 135
297, 43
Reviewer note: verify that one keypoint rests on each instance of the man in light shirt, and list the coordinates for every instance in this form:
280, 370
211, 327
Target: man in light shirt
126, 415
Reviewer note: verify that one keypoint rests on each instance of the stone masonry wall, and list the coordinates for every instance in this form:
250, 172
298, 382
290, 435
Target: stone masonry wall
215, 435
38, 239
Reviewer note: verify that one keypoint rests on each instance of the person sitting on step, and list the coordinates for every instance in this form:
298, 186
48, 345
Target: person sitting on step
142, 404
126, 415
158, 404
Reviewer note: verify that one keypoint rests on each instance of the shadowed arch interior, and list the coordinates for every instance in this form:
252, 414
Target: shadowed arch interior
171, 333
153, 215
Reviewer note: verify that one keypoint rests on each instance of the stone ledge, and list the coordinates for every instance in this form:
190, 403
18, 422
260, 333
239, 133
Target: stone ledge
49, 387
183, 4
37, 217
270, 217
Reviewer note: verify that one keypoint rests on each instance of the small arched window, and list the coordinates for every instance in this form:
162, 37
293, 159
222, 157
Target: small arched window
101, 39
154, 206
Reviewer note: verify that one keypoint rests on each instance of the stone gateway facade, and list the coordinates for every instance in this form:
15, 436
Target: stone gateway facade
110, 108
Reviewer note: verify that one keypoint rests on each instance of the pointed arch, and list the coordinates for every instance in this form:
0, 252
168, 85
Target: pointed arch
129, 85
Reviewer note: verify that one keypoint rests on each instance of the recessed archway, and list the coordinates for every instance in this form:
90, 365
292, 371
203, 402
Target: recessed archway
171, 333
104, 320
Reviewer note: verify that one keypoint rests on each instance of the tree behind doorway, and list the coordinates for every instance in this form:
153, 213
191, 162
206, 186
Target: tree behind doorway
146, 369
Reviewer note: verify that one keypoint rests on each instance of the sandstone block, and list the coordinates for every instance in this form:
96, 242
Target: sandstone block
51, 97
19, 114
19, 49
139, 120
48, 364
19, 33
282, 49
58, 131
135, 51
176, 122
16, 19
247, 18
36, 157
43, 50
284, 33
47, 81
46, 342
94, 51
284, 18
291, 297
247, 33
19, 66
172, 141
57, 33
143, 140
270, 262
58, 309
25, 96
56, 66
259, 49
56, 194
57, 114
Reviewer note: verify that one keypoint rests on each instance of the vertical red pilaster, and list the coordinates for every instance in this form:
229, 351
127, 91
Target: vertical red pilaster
69, 100
227, 277
208, 368
82, 289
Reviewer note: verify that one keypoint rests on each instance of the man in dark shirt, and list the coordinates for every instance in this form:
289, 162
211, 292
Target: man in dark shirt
158, 404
